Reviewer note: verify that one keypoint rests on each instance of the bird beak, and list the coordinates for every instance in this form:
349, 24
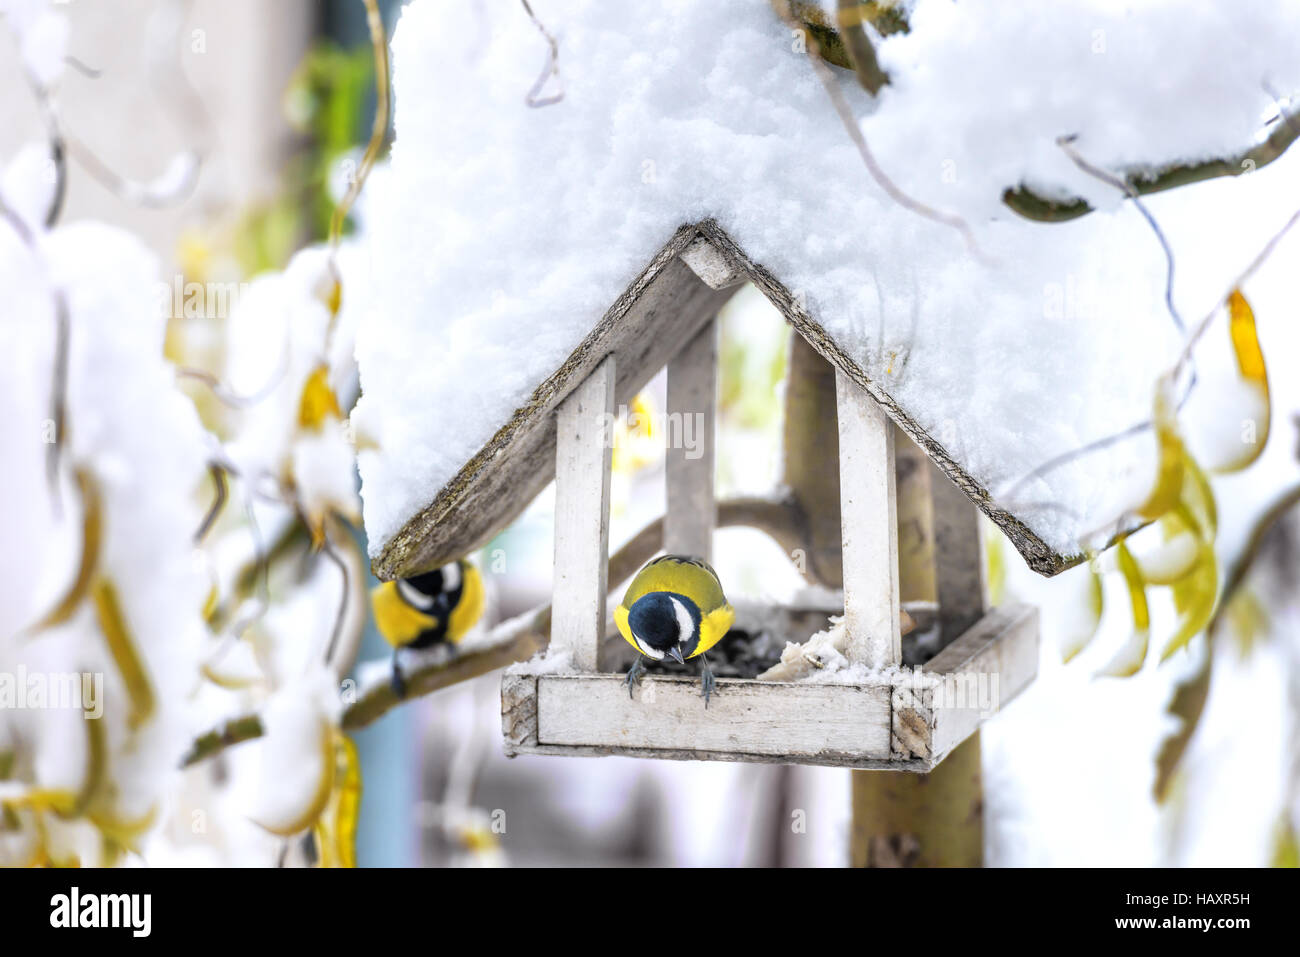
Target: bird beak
675, 652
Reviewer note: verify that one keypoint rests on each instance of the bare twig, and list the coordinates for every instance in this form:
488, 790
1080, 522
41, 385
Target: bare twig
170, 189
89, 72
1185, 356
345, 601
1067, 144
221, 488
235, 731
1244, 562
59, 369
226, 395
551, 69
850, 122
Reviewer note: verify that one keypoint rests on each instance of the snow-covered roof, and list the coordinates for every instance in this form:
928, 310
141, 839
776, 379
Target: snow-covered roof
511, 241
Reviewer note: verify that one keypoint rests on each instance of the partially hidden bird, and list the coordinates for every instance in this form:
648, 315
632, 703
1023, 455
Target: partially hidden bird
437, 607
674, 608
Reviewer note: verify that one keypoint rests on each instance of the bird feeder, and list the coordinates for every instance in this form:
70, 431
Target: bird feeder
889, 716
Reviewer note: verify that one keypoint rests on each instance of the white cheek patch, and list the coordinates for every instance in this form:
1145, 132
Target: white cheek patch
451, 576
413, 596
647, 650
685, 623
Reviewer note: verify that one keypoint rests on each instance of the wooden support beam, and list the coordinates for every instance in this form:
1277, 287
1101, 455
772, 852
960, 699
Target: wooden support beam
583, 446
692, 404
810, 443
937, 819
869, 521
707, 262
913, 473
958, 557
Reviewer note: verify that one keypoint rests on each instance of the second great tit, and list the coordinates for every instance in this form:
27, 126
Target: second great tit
436, 607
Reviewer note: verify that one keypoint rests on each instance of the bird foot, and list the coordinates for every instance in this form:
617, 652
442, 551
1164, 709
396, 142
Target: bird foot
398, 680
634, 674
708, 683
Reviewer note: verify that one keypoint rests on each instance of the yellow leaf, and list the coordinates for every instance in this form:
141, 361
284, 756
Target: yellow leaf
1199, 593
124, 831
995, 568
121, 645
348, 806
1286, 848
1245, 339
1248, 618
636, 438
1128, 661
91, 534
1250, 364
1087, 630
334, 301
311, 814
336, 829
318, 400
1169, 470
1172, 560
1198, 496
96, 763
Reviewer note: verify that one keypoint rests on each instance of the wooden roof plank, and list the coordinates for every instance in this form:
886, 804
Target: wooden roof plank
682, 287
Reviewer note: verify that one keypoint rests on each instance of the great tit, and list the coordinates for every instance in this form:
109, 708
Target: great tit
420, 612
674, 608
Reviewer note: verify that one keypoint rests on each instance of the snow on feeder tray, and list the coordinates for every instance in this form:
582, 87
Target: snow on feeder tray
849, 697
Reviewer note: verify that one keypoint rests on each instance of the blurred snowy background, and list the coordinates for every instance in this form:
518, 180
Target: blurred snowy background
276, 101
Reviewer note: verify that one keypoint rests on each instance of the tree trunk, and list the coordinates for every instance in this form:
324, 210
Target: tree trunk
921, 820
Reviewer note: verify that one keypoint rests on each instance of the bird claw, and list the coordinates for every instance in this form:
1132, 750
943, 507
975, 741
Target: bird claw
633, 678
708, 683
398, 681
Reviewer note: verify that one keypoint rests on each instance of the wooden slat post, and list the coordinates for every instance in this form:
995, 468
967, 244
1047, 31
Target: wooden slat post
935, 819
810, 442
869, 523
958, 557
583, 446
692, 401
912, 470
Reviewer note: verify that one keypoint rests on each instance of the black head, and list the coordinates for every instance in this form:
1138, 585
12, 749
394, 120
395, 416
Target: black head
433, 590
665, 624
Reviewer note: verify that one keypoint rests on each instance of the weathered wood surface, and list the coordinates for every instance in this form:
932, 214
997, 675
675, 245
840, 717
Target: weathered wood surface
889, 722
767, 718
869, 528
583, 447
662, 309
810, 439
958, 558
715, 269
1037, 554
691, 512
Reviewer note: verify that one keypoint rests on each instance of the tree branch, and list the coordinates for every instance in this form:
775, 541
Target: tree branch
520, 638
1144, 180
